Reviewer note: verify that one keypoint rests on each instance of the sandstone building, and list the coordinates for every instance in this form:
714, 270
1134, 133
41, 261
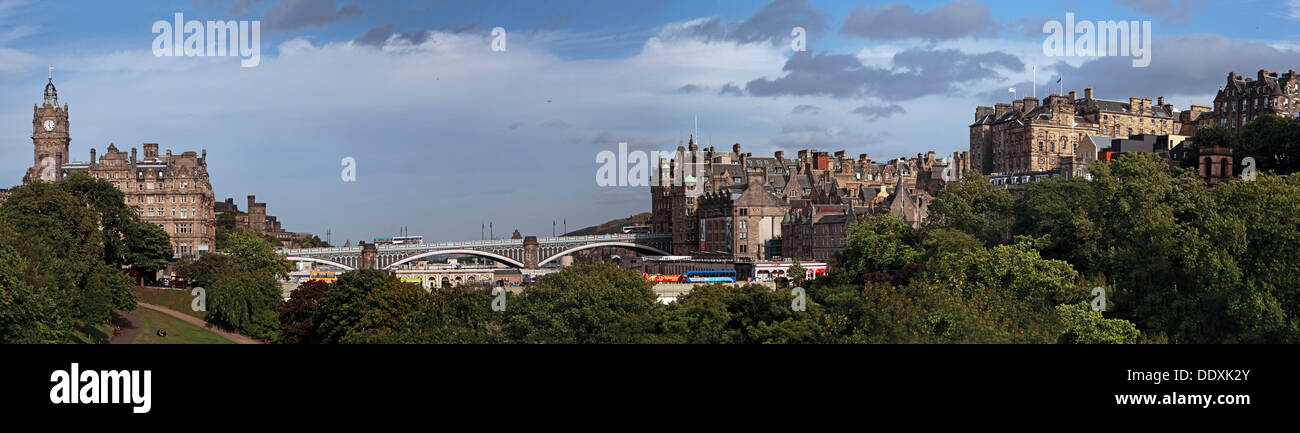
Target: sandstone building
1060, 134
172, 191
1243, 99
732, 205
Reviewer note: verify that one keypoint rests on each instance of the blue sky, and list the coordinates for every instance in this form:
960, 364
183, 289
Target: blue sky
448, 134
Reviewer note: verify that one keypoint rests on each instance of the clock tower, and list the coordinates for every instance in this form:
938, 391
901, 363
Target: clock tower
49, 137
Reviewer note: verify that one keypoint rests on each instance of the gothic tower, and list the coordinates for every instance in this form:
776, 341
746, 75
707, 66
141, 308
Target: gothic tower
49, 137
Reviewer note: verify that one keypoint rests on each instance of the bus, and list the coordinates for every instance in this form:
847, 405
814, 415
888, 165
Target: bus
636, 229
324, 277
710, 276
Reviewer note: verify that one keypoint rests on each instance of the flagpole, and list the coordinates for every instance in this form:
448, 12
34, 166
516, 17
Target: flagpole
1035, 81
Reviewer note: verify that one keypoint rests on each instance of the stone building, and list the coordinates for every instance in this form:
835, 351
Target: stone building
256, 218
1026, 137
172, 191
1243, 99
732, 205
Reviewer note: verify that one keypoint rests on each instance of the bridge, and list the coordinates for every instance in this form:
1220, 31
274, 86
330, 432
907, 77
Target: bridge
527, 253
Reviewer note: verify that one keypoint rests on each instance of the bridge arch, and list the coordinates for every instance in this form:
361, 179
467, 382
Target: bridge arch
490, 255
321, 261
628, 245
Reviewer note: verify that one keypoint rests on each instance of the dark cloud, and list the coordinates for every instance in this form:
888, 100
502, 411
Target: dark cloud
1180, 65
805, 108
295, 14
874, 112
376, 36
895, 21
731, 89
771, 24
689, 88
916, 73
415, 37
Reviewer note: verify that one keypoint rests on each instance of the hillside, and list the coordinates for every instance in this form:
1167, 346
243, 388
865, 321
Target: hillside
612, 227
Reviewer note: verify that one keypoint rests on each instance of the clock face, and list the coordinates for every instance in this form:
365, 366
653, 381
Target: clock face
49, 125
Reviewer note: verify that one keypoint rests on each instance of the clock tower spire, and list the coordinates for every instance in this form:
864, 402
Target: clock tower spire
50, 137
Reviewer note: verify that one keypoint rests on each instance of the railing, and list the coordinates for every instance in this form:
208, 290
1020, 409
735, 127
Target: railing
480, 244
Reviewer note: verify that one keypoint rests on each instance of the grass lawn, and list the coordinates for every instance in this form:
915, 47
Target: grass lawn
178, 331
98, 334
179, 300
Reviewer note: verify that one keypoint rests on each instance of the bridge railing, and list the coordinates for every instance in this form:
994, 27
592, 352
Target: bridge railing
484, 244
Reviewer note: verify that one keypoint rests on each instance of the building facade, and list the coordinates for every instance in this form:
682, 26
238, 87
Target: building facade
1026, 137
734, 206
172, 191
256, 218
1243, 99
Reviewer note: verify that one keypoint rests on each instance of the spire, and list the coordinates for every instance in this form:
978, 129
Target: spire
51, 95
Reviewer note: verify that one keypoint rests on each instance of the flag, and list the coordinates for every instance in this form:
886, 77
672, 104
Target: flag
1058, 80
1011, 90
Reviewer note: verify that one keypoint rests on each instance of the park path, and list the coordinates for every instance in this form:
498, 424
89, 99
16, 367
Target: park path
238, 338
131, 322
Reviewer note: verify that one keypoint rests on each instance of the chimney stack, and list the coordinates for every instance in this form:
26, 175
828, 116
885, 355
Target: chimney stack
92, 155
1074, 95
1087, 94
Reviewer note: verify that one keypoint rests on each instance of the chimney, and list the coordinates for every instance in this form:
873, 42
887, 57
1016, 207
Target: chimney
840, 154
133, 155
780, 155
1160, 101
1263, 73
169, 153
1018, 105
863, 158
982, 112
1002, 109
1087, 94
1134, 105
1030, 103
92, 155
735, 148
1074, 95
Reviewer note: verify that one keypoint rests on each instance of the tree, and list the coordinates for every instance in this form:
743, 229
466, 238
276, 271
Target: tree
245, 293
878, 243
249, 252
750, 314
1084, 326
973, 205
798, 273
297, 315
394, 313
1274, 143
148, 248
312, 242
203, 271
67, 239
346, 302
247, 302
599, 303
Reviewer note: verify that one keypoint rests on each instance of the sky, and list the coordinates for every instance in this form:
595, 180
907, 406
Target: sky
448, 134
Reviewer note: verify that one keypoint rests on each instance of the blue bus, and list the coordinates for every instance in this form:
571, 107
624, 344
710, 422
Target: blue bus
710, 276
